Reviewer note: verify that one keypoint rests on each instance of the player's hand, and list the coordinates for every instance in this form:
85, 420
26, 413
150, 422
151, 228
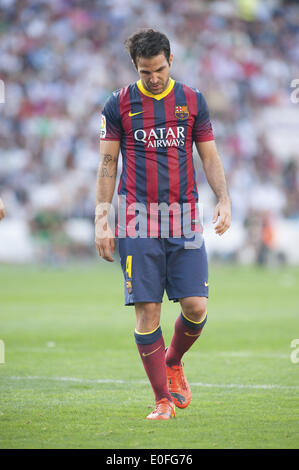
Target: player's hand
104, 240
222, 215
2, 211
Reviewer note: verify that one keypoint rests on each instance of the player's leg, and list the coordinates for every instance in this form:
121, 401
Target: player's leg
147, 316
144, 267
151, 347
188, 328
187, 281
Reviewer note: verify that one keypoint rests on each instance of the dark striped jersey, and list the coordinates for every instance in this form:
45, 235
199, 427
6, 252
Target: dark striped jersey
156, 134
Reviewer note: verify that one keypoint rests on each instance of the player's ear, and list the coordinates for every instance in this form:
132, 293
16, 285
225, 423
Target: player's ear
170, 59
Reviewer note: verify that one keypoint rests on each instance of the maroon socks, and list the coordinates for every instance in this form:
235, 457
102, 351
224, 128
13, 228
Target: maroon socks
186, 332
151, 348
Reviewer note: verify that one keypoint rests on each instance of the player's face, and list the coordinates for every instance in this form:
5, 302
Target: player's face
154, 72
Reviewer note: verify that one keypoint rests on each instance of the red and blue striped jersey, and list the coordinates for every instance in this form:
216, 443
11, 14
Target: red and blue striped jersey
156, 134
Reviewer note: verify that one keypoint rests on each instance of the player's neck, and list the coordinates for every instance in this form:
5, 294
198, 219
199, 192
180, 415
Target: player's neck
158, 96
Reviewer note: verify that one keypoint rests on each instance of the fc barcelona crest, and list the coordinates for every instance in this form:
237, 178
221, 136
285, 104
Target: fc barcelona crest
181, 112
129, 287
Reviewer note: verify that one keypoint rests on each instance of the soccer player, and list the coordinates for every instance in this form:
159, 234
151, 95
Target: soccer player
2, 211
154, 123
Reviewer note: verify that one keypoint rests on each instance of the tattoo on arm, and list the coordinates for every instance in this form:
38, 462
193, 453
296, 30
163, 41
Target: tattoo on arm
105, 171
107, 159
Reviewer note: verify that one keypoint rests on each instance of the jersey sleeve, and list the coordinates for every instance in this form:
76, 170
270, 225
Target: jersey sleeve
111, 127
202, 128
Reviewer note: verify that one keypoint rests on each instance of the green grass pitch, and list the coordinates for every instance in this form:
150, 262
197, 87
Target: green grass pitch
72, 377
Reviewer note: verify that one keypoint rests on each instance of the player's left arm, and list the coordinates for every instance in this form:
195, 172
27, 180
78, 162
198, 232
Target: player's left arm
214, 172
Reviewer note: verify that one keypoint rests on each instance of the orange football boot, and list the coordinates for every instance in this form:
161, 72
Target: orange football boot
178, 386
164, 409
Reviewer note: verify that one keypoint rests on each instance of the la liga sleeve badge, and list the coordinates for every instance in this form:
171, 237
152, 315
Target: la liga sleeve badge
103, 127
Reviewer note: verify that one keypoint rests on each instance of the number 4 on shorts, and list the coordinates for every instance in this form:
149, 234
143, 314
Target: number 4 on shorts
129, 266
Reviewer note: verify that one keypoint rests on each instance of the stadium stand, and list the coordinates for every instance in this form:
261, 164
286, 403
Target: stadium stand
60, 60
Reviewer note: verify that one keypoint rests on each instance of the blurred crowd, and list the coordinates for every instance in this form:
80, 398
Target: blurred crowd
60, 60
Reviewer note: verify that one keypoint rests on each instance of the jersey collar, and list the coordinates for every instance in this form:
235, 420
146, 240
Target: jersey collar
160, 96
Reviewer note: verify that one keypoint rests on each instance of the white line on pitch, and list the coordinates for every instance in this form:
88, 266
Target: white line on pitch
239, 354
229, 354
194, 384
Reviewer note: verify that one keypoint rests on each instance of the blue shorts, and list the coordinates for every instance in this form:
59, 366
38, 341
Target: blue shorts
153, 265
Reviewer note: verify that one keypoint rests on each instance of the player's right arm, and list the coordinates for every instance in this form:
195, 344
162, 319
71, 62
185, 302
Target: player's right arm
2, 211
105, 186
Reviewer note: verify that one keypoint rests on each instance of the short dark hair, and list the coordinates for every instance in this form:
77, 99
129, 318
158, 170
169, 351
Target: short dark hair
147, 43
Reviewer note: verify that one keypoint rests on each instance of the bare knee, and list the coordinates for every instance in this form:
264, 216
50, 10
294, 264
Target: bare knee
147, 316
194, 308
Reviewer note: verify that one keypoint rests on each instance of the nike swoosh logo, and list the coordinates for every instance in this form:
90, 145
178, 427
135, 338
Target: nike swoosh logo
180, 398
134, 114
167, 414
188, 334
152, 352
206, 284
